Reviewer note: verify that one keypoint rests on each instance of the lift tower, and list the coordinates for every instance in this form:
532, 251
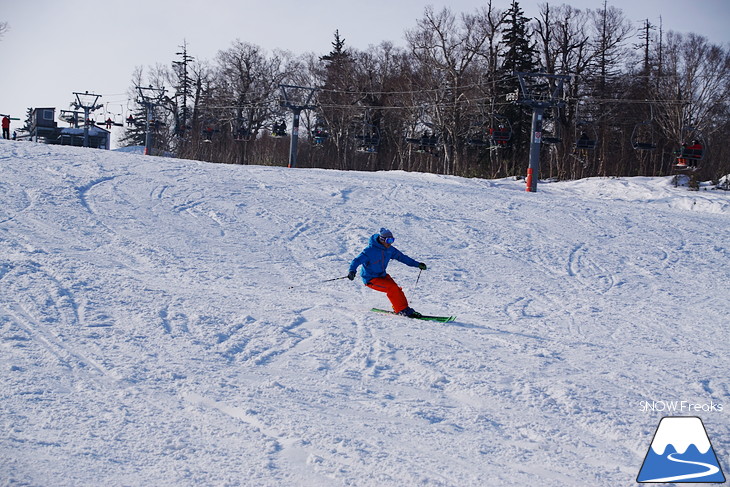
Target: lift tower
149, 98
539, 91
87, 102
296, 99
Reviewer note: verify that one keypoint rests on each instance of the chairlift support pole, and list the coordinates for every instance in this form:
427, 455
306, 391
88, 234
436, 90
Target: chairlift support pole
149, 98
538, 110
296, 109
87, 102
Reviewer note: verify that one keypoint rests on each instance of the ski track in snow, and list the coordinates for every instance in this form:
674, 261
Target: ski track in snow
149, 335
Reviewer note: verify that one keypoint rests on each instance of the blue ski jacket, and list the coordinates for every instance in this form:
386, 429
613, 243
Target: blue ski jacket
374, 259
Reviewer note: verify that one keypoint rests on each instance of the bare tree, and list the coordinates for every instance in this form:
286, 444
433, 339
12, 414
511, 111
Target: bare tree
420, 105
694, 92
450, 50
565, 49
247, 83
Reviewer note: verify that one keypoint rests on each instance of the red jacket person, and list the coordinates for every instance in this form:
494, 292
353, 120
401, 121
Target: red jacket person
6, 127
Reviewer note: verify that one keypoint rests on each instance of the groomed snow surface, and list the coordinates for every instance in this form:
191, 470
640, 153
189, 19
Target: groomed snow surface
150, 334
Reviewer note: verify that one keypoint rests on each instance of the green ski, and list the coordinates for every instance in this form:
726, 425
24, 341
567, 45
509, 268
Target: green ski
440, 319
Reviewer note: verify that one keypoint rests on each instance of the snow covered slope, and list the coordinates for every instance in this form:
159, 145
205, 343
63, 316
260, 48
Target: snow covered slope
149, 334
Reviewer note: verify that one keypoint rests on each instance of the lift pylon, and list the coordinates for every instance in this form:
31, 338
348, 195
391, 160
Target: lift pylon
87, 102
539, 91
149, 98
296, 99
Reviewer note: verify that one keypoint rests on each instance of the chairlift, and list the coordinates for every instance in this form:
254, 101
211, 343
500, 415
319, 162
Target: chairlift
500, 132
180, 129
208, 131
424, 137
69, 116
494, 133
643, 136
112, 116
368, 138
692, 148
156, 125
319, 133
279, 129
551, 130
478, 135
107, 121
587, 140
239, 131
427, 143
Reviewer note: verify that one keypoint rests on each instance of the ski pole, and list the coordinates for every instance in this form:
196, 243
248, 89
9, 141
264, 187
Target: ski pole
418, 278
318, 282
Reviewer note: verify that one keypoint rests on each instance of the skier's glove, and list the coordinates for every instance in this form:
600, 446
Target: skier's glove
351, 275
422, 266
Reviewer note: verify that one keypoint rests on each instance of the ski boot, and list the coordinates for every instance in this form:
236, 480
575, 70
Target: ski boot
410, 313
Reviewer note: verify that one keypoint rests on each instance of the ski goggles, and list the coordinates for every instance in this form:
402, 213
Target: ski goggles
388, 240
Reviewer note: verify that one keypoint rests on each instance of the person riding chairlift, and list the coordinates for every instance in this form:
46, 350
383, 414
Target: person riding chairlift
690, 154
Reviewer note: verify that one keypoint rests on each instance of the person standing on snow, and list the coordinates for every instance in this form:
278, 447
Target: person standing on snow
6, 127
374, 260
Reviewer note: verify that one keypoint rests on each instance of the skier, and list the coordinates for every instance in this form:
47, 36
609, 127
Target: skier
374, 260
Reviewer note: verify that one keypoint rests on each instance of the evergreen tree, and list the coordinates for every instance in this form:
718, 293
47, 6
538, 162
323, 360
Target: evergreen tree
518, 51
134, 132
518, 55
183, 91
337, 92
28, 120
337, 72
338, 54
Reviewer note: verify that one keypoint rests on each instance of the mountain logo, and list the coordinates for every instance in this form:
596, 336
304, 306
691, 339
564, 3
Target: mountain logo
681, 452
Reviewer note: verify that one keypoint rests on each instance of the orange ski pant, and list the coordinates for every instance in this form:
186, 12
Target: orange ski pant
388, 286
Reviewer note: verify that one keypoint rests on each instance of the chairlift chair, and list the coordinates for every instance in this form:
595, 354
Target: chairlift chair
692, 149
587, 140
319, 134
279, 129
208, 131
180, 129
424, 137
495, 133
156, 125
501, 130
478, 135
240, 131
643, 136
427, 143
369, 138
551, 136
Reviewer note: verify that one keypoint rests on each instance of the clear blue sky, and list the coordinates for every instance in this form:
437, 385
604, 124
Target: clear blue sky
54, 48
